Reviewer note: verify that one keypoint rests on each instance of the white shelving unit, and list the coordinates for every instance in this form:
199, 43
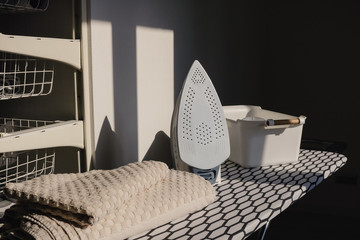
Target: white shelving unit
25, 72
69, 133
56, 134
63, 50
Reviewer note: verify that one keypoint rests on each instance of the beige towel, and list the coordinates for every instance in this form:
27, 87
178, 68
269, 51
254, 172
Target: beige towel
116, 203
81, 195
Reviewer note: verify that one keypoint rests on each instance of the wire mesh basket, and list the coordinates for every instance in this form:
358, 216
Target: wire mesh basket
23, 165
24, 76
11, 125
24, 5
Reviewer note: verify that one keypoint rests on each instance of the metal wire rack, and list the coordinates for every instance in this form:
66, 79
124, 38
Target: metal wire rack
23, 76
24, 165
24, 5
11, 125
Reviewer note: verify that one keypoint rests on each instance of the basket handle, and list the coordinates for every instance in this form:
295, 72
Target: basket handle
293, 121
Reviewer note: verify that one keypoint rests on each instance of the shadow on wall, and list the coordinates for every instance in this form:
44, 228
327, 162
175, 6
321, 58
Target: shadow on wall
105, 148
160, 149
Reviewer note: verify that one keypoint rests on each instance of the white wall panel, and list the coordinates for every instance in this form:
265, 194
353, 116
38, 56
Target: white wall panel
155, 83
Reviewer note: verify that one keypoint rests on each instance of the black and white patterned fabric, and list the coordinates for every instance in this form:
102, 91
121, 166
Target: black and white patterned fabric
250, 197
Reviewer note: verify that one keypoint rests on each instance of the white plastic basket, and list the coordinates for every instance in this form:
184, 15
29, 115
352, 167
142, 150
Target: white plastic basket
23, 76
260, 137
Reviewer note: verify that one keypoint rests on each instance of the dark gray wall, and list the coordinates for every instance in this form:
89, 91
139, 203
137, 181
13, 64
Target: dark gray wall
299, 58
310, 67
310, 60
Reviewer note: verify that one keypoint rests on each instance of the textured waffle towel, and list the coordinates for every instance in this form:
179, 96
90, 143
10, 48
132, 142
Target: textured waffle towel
106, 204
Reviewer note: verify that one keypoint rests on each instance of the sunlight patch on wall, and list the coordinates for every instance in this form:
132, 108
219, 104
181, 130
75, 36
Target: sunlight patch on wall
102, 73
155, 83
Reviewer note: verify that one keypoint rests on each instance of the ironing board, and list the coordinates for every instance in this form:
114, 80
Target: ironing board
248, 198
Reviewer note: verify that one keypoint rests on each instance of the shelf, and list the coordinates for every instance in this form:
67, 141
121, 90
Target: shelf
63, 50
58, 134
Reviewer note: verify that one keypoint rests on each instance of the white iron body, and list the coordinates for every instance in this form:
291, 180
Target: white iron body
199, 133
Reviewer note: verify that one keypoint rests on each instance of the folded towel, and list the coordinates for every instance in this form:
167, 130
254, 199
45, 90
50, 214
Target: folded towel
80, 195
114, 204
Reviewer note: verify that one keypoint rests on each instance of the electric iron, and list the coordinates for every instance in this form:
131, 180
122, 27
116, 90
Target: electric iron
199, 134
